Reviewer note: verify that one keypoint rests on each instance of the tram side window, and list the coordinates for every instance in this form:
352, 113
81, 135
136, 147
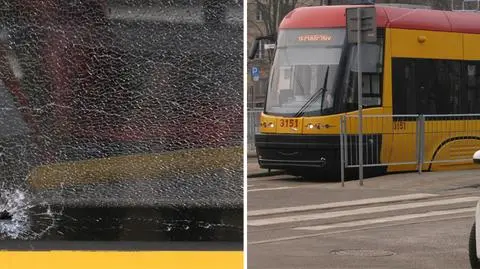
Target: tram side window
444, 92
426, 86
404, 93
472, 70
371, 90
372, 71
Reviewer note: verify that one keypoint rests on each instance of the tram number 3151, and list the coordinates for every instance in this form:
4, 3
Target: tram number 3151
399, 125
289, 123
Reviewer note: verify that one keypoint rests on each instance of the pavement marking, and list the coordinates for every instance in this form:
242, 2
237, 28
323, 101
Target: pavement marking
385, 220
340, 204
283, 188
273, 189
290, 238
359, 211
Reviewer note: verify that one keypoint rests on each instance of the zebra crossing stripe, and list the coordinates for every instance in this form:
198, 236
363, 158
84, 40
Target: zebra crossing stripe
385, 220
368, 201
358, 211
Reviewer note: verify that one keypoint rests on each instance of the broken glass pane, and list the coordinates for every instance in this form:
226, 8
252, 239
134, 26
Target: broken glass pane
121, 120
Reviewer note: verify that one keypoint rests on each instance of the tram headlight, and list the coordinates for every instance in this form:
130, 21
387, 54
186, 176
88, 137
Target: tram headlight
271, 125
310, 126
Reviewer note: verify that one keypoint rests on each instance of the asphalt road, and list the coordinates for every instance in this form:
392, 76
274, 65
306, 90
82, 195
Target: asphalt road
396, 221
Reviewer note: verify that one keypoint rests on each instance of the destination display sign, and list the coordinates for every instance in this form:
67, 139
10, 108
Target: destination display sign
309, 37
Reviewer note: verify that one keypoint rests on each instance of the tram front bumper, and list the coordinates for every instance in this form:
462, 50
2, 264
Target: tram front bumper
279, 151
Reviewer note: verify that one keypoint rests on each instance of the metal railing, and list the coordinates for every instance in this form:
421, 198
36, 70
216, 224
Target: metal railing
253, 123
437, 139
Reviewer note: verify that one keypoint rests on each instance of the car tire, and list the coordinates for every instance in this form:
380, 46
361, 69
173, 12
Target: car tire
472, 249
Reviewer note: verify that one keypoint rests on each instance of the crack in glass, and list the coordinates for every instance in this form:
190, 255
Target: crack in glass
121, 120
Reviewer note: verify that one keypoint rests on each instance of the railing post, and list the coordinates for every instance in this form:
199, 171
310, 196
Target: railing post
342, 149
420, 141
417, 144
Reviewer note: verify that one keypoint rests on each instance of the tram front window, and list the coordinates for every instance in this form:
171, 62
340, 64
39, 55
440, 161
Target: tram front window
304, 71
306, 78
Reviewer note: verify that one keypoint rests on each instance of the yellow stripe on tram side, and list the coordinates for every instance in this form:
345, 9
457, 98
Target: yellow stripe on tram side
142, 166
407, 44
121, 260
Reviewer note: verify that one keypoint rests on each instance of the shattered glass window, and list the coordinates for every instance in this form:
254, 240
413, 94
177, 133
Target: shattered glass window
121, 120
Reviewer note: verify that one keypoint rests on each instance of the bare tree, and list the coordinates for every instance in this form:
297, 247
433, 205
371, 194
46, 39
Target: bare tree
435, 4
272, 12
442, 4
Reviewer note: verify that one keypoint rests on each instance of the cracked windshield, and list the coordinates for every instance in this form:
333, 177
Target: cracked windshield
121, 120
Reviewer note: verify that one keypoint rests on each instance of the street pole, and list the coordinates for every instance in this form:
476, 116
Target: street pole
361, 27
277, 20
360, 97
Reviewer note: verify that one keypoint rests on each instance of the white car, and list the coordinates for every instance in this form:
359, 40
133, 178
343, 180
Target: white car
474, 242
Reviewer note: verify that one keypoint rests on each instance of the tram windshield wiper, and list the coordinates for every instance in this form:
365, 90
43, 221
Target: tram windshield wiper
315, 96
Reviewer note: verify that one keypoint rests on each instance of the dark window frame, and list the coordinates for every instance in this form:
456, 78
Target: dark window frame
347, 78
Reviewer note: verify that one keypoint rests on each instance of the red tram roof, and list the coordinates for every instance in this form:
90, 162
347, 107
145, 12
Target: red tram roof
387, 17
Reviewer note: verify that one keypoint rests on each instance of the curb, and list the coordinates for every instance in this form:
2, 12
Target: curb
266, 174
